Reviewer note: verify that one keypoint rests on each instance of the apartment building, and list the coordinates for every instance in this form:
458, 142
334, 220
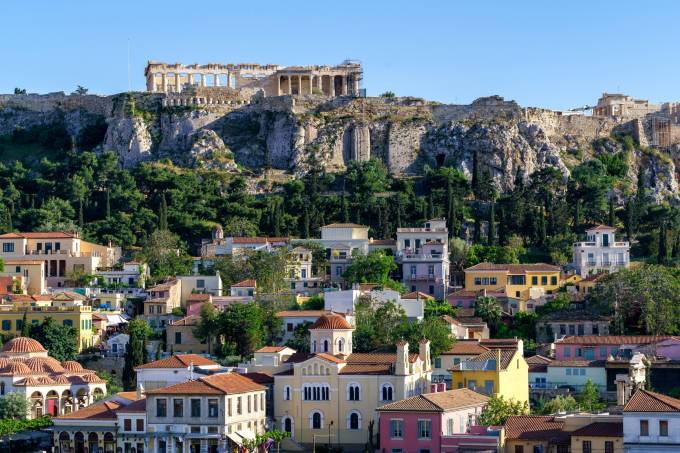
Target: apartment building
423, 254
600, 252
342, 241
300, 278
61, 253
651, 423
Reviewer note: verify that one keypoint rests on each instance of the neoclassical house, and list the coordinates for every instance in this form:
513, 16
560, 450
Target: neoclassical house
50, 386
335, 392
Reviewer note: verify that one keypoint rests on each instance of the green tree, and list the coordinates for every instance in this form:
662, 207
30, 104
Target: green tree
135, 352
13, 406
61, 341
300, 339
589, 400
436, 308
557, 404
271, 324
241, 325
489, 309
498, 410
165, 255
492, 224
25, 326
662, 252
372, 268
207, 327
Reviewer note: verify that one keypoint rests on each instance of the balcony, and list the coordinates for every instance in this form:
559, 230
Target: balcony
423, 278
411, 256
64, 253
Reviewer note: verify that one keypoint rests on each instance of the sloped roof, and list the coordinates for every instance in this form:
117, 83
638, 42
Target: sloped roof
466, 347
271, 349
515, 268
178, 361
186, 321
534, 427
614, 339
137, 406
250, 283
483, 361
646, 401
438, 402
344, 225
104, 410
216, 384
417, 295
39, 235
23, 345
600, 429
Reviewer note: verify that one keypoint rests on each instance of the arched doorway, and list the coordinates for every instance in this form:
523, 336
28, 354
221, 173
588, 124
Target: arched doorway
64, 442
288, 425
81, 398
66, 402
37, 409
93, 443
52, 403
79, 443
109, 443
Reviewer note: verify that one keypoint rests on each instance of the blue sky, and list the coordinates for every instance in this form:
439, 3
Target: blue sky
556, 54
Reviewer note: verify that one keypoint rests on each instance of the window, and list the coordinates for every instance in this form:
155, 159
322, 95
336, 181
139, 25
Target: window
140, 424
353, 393
200, 283
178, 337
354, 421
644, 427
387, 392
229, 406
534, 280
424, 429
567, 352
456, 361
517, 279
663, 428
178, 407
430, 289
161, 408
587, 446
19, 324
397, 450
519, 449
316, 420
568, 371
596, 329
8, 247
407, 243
579, 352
212, 408
195, 407
478, 281
553, 281
396, 428
572, 329
250, 407
238, 406
195, 429
449, 426
6, 324
608, 446
438, 362
127, 424
544, 280
579, 329
289, 327
17, 269
286, 393
316, 392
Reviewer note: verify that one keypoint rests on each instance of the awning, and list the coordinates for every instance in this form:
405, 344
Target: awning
239, 436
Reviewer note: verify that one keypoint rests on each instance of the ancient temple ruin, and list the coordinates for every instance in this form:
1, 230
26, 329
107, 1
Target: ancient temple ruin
273, 80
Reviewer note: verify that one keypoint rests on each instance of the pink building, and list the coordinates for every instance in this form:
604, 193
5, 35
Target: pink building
594, 347
427, 422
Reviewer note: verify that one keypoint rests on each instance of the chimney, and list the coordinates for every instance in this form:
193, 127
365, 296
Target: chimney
424, 354
402, 358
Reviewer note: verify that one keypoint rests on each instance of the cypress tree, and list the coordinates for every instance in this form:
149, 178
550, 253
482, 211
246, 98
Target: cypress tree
397, 210
454, 230
492, 224
25, 327
345, 209
430, 207
612, 215
163, 213
81, 217
630, 219
108, 204
477, 238
662, 254
476, 174
502, 228
387, 225
542, 232
577, 216
675, 253
305, 220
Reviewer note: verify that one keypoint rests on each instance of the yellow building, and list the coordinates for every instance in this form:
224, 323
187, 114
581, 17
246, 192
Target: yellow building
517, 281
497, 372
79, 317
603, 436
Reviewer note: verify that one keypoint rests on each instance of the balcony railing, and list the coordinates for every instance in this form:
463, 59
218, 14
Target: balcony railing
423, 277
65, 253
420, 256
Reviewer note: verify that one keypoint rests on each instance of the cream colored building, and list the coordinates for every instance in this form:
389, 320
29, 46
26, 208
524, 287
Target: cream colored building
32, 271
335, 392
61, 254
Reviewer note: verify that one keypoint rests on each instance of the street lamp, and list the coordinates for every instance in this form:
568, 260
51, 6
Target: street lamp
329, 435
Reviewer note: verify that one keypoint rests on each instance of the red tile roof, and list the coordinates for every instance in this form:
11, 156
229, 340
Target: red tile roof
186, 321
271, 349
331, 321
260, 377
417, 295
646, 401
466, 347
178, 361
250, 283
329, 357
532, 427
138, 406
216, 384
199, 297
600, 429
104, 410
39, 235
614, 339
344, 225
438, 402
515, 268
22, 345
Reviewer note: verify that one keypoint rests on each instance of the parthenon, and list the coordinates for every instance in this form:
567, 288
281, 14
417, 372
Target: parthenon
274, 80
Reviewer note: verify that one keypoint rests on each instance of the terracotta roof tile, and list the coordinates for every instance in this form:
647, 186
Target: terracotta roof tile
646, 401
368, 368
298, 357
329, 357
216, 384
614, 339
104, 410
515, 268
499, 343
22, 345
186, 321
600, 429
270, 349
39, 235
344, 225
199, 297
260, 377
438, 402
138, 406
331, 321
250, 283
528, 427
577, 363
178, 361
414, 295
488, 360
466, 347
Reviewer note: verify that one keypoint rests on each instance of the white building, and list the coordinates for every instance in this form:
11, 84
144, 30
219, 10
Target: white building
300, 279
132, 274
345, 301
116, 345
423, 254
651, 423
600, 252
293, 318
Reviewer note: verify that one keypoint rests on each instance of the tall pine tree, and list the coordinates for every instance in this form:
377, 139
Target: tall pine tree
492, 224
612, 214
662, 253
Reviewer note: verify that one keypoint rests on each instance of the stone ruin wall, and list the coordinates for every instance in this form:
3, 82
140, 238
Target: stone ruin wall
95, 104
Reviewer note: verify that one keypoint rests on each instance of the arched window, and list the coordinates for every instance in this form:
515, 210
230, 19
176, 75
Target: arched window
316, 420
353, 392
354, 420
314, 346
325, 346
286, 393
288, 425
387, 392
341, 345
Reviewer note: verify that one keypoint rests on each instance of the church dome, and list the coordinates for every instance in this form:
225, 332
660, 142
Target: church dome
72, 366
23, 345
331, 321
44, 365
16, 367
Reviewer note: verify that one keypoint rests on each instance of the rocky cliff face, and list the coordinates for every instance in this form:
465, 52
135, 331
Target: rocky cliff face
294, 133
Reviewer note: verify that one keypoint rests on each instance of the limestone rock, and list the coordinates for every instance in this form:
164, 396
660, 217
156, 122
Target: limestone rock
130, 139
209, 151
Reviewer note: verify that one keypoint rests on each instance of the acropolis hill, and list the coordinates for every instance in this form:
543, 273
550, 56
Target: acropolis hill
288, 118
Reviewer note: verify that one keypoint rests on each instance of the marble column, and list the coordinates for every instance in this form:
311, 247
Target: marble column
216, 80
331, 86
178, 82
164, 82
202, 80
190, 78
343, 79
278, 85
299, 84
